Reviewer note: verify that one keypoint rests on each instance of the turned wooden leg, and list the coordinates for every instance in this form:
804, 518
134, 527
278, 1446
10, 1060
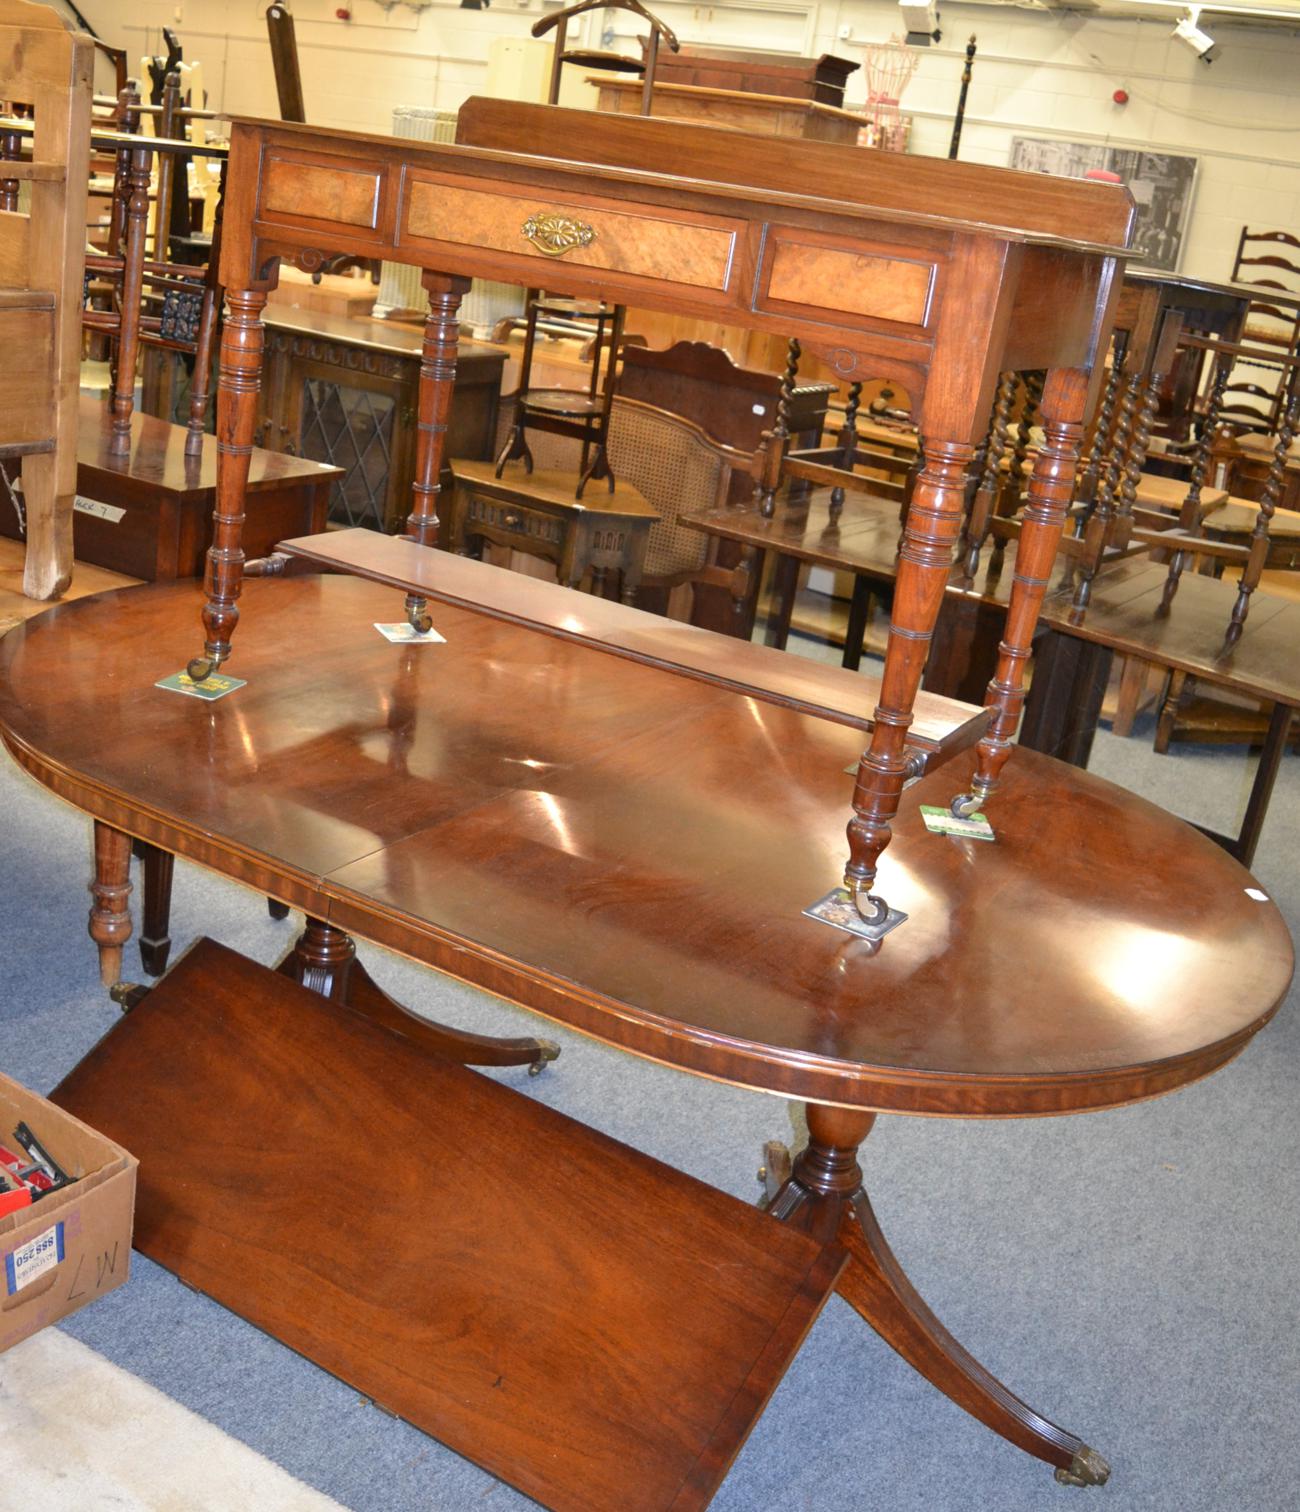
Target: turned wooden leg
324, 961
157, 867
986, 495
1268, 502
933, 522
1048, 496
776, 442
1086, 493
1100, 516
848, 445
437, 375
824, 1196
204, 346
110, 914
122, 401
240, 380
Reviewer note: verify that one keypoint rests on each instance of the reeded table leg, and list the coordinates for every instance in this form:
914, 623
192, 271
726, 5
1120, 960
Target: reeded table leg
825, 1197
110, 914
158, 867
1051, 486
240, 380
324, 960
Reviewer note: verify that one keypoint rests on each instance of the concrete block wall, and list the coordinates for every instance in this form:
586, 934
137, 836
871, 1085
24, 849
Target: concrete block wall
1037, 73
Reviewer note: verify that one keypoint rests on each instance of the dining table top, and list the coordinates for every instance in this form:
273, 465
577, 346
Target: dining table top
631, 851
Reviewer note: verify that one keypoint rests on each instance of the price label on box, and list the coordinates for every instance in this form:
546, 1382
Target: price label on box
24, 1264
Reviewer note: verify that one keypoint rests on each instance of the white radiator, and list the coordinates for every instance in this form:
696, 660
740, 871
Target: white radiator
399, 287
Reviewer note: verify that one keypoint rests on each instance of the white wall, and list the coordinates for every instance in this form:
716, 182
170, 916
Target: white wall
1036, 73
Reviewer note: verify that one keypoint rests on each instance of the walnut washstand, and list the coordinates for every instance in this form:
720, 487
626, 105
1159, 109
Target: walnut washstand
942, 274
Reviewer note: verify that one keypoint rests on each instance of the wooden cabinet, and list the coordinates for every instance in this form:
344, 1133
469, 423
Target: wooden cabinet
821, 79
345, 392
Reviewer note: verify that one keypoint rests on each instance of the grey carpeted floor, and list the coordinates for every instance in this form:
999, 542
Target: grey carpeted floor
1131, 1274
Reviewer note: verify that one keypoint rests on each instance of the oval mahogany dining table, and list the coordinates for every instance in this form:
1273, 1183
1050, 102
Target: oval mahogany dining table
630, 852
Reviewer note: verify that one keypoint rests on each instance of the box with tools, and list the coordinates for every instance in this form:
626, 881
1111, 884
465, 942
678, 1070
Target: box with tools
67, 1203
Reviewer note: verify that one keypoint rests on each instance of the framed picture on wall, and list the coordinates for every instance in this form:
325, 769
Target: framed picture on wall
1162, 183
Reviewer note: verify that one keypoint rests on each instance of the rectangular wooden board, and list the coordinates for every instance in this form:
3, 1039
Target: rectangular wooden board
592, 1326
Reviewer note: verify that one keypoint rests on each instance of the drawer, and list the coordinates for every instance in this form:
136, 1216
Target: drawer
862, 283
644, 241
512, 520
315, 191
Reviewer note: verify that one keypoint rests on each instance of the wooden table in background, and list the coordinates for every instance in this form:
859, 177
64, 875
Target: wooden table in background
1073, 659
604, 532
147, 511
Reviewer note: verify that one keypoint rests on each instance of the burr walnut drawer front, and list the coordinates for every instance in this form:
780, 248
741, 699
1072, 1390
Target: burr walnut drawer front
644, 241
858, 282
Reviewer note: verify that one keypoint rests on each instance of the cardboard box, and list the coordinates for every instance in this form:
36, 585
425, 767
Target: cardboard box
74, 1245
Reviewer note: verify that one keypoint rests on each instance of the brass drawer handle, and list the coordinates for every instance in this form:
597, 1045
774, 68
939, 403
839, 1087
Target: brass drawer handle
513, 521
554, 235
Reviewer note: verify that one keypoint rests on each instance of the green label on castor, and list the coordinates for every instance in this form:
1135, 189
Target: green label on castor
214, 685
942, 821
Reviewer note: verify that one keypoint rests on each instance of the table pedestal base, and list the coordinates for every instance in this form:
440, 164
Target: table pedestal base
323, 959
824, 1196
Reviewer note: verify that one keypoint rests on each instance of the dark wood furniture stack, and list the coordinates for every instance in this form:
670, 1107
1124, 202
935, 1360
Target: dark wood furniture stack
684, 423
822, 79
346, 393
46, 67
1155, 313
187, 298
616, 881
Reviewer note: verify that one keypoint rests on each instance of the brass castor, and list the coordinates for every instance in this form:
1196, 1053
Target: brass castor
775, 1170
964, 805
1086, 1469
550, 1051
872, 909
200, 668
418, 616
128, 995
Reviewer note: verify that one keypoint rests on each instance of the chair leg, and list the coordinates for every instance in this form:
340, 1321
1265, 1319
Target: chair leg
47, 570
1179, 683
